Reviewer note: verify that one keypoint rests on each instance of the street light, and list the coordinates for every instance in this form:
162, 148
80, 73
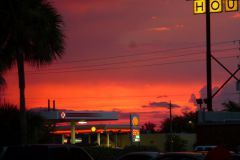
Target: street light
200, 101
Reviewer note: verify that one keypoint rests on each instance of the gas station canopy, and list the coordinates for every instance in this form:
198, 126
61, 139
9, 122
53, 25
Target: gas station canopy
75, 116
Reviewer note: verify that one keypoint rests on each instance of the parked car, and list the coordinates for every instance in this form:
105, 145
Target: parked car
182, 156
44, 152
203, 148
235, 156
162, 156
140, 156
190, 156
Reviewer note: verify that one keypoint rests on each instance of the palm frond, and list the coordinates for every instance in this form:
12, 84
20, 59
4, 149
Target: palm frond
34, 28
2, 81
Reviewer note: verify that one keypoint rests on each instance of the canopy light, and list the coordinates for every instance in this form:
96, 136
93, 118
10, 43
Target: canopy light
82, 122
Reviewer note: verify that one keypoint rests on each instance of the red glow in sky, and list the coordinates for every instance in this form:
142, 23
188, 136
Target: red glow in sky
124, 55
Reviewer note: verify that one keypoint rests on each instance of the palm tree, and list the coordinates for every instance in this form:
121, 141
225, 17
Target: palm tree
5, 64
150, 127
2, 83
2, 80
31, 31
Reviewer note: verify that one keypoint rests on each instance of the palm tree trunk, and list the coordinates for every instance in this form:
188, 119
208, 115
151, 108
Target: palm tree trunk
21, 80
2, 81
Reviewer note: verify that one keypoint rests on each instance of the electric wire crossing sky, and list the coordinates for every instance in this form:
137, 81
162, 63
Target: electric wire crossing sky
216, 6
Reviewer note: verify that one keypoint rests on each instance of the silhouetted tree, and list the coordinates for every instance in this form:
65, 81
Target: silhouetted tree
231, 106
185, 123
37, 130
149, 127
31, 31
9, 124
2, 80
5, 64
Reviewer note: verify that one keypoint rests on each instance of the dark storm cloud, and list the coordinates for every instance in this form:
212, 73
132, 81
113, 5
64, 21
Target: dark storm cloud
228, 93
202, 93
144, 116
126, 115
160, 105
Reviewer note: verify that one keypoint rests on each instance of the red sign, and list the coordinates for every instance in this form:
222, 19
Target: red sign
62, 115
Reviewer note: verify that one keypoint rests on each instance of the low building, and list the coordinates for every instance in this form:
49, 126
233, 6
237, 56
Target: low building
218, 128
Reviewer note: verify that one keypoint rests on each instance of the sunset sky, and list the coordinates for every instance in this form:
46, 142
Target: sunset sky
133, 56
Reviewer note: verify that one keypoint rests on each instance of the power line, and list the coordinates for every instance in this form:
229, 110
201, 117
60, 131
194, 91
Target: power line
145, 53
93, 97
135, 61
128, 67
119, 96
141, 60
72, 69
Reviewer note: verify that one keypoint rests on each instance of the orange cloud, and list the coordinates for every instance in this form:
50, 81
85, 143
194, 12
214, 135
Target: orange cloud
103, 96
160, 29
166, 28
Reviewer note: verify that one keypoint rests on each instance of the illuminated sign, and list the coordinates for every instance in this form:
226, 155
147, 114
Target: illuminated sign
136, 135
62, 115
135, 132
65, 141
134, 127
78, 116
134, 120
199, 6
215, 6
93, 129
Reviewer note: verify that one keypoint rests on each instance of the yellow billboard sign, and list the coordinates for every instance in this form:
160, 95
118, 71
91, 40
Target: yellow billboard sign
199, 6
134, 119
231, 5
215, 6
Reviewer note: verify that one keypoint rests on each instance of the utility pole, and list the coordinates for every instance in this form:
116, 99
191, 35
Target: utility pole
170, 124
1, 96
207, 7
208, 56
171, 128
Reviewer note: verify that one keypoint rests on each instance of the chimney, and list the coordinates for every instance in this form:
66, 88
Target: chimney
54, 105
49, 105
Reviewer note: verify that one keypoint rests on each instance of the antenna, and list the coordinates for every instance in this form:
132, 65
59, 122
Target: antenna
49, 105
54, 107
